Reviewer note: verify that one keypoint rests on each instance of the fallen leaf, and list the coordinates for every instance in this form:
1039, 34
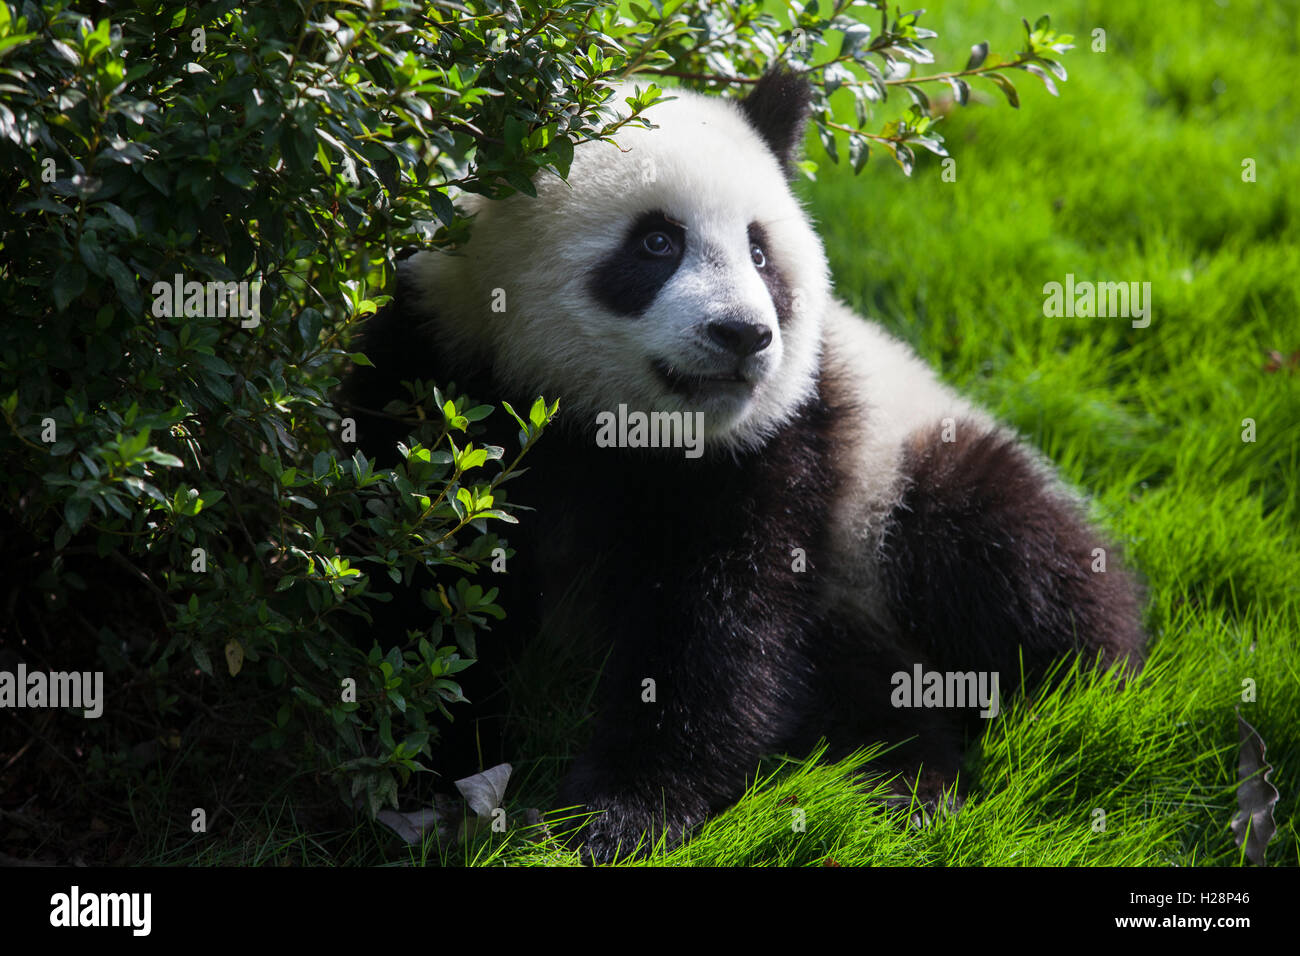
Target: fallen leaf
234, 656
411, 827
1253, 823
485, 791
1277, 361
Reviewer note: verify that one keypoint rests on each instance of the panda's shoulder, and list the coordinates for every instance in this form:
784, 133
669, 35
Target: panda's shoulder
885, 396
896, 390
886, 393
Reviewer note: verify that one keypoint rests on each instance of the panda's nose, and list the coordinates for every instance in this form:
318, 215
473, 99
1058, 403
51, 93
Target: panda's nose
740, 338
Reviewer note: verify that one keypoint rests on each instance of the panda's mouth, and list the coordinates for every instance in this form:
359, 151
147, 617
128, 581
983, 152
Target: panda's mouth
692, 383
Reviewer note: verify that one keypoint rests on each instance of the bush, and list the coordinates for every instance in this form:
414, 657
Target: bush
204, 206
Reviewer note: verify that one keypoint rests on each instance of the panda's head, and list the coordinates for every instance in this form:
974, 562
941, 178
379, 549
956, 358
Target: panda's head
675, 271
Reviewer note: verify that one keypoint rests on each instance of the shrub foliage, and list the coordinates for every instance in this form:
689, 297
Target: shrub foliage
203, 203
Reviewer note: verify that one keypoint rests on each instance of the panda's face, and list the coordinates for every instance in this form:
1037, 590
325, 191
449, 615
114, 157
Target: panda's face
695, 301
674, 272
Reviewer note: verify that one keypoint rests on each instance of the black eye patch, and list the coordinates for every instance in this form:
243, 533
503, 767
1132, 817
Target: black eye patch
772, 275
630, 277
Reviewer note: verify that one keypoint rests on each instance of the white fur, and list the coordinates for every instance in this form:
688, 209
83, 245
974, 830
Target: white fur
703, 166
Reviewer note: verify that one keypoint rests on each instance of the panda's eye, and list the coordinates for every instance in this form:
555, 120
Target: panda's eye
756, 253
658, 244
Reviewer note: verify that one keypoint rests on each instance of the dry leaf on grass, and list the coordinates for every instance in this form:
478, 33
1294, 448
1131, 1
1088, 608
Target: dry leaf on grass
1253, 822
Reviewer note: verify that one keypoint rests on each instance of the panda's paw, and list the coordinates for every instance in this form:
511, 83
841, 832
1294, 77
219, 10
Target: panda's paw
623, 826
626, 833
926, 796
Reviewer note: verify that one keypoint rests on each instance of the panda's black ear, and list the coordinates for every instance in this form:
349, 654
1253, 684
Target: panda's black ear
778, 109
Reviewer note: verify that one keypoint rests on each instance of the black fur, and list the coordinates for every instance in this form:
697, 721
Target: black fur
778, 108
628, 281
773, 276
698, 594
982, 548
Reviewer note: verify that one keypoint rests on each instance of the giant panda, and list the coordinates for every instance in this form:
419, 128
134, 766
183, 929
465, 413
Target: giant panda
839, 521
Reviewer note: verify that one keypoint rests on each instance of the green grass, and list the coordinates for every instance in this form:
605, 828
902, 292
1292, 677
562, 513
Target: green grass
1133, 175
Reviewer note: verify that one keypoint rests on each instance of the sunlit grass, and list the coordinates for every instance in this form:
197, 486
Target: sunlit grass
1135, 174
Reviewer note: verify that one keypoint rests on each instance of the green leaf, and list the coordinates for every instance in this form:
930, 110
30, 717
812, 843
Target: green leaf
125, 283
1007, 88
561, 153
918, 96
513, 414
309, 326
827, 137
1039, 72
859, 153
121, 217
162, 458
442, 206
1056, 69
237, 176
75, 512
156, 175
202, 659
69, 282
854, 36
905, 158
537, 414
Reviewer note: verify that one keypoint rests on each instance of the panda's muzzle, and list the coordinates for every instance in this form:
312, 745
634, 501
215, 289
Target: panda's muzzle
730, 360
690, 383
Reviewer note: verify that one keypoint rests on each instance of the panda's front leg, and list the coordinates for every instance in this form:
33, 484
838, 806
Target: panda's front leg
629, 815
683, 720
